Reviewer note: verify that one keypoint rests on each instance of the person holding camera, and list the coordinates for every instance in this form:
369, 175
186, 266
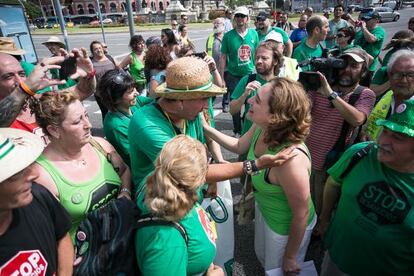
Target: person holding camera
332, 107
317, 28
371, 38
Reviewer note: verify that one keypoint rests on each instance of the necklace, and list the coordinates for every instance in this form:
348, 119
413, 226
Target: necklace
79, 162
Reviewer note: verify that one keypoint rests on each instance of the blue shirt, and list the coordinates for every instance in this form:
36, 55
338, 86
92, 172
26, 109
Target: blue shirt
298, 35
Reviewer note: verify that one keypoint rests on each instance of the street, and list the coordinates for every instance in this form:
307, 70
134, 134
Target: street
245, 259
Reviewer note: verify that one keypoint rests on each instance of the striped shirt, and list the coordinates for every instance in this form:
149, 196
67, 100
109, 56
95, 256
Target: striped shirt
327, 124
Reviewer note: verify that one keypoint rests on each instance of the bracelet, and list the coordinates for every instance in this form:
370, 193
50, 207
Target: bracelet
91, 74
250, 168
126, 190
26, 89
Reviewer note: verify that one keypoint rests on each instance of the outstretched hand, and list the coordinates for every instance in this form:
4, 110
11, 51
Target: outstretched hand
269, 161
38, 79
83, 62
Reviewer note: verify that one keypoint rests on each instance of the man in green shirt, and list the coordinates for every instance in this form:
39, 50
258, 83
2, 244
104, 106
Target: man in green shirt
371, 38
264, 28
317, 28
372, 229
237, 56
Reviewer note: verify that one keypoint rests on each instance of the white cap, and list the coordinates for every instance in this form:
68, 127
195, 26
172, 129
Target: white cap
273, 35
241, 10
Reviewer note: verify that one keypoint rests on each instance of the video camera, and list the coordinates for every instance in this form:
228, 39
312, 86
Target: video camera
329, 67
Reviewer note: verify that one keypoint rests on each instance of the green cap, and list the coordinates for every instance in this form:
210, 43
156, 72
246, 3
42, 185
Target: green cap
402, 120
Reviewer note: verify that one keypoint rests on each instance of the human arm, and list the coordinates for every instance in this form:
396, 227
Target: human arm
125, 62
65, 256
293, 177
369, 37
380, 89
288, 48
217, 80
237, 103
331, 195
220, 172
351, 114
119, 165
223, 64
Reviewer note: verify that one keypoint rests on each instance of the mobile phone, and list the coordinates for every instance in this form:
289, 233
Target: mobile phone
200, 55
67, 68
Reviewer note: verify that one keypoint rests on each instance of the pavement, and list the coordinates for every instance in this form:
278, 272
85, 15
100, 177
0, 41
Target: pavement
246, 262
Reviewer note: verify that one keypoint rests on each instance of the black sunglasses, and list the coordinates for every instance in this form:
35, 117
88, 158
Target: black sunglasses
239, 15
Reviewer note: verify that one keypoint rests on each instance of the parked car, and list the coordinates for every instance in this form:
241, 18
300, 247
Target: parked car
107, 21
386, 14
356, 8
390, 4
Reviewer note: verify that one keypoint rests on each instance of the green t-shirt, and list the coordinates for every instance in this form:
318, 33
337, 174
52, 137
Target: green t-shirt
303, 52
238, 91
161, 250
285, 36
374, 49
381, 76
373, 227
148, 131
240, 51
69, 82
116, 128
271, 199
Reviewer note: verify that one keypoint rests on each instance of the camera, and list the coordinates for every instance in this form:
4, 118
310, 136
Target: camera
329, 67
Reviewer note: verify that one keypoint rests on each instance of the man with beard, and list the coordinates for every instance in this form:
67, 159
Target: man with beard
334, 25
213, 44
237, 55
371, 232
330, 110
317, 28
401, 78
264, 27
268, 61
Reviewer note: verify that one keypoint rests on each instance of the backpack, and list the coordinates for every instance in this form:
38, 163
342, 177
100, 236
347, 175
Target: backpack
104, 241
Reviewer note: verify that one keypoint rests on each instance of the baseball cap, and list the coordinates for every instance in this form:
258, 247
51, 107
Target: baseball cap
273, 35
241, 10
370, 15
402, 120
359, 55
262, 15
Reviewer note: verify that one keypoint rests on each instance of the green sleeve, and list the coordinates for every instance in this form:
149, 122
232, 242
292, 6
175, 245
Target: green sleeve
199, 129
359, 38
164, 253
141, 101
380, 76
379, 33
224, 47
211, 112
342, 164
117, 135
283, 33
239, 89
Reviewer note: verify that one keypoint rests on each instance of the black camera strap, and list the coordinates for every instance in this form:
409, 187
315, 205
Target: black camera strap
340, 144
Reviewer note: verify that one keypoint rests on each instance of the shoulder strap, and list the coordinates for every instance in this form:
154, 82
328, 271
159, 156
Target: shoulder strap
153, 221
355, 159
111, 59
98, 146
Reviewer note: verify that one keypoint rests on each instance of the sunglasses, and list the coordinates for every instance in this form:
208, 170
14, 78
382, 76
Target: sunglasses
121, 77
340, 35
239, 15
400, 76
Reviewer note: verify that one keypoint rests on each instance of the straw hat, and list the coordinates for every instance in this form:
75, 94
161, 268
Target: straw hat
54, 40
8, 46
188, 78
18, 149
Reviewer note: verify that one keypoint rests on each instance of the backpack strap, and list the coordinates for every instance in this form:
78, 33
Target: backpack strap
355, 159
153, 221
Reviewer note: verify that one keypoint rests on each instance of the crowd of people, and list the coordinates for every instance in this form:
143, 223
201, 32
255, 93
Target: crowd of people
326, 154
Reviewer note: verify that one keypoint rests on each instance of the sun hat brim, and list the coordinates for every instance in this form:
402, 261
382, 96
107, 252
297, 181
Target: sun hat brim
395, 127
23, 148
16, 52
188, 94
62, 45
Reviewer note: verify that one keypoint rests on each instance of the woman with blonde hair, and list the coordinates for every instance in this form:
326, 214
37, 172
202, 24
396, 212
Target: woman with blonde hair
285, 216
171, 196
75, 166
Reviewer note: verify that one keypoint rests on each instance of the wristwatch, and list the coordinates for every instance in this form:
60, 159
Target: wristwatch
250, 167
333, 96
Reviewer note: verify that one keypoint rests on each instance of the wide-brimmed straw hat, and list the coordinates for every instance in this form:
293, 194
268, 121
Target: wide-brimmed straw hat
8, 46
402, 120
18, 149
54, 40
188, 78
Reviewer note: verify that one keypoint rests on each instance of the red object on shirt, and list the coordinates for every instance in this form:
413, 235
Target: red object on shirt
33, 128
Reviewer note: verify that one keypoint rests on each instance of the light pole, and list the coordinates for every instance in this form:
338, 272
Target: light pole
100, 20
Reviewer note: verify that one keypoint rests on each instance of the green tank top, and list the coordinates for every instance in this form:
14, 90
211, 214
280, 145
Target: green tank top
137, 69
81, 198
270, 198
